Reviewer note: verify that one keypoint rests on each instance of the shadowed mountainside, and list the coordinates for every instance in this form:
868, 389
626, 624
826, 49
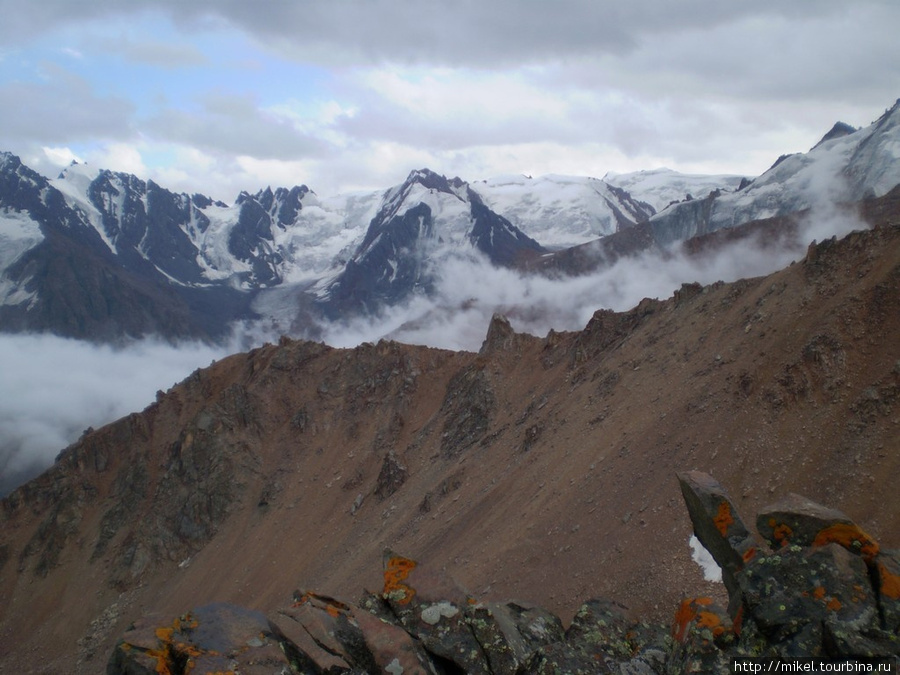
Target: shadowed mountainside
539, 468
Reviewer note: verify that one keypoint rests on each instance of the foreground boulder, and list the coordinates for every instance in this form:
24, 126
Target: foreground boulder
821, 588
215, 638
718, 526
825, 589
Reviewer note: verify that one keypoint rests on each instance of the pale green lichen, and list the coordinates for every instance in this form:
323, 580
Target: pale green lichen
433, 613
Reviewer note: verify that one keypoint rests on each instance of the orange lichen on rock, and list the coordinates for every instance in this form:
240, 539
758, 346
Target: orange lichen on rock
782, 534
396, 571
164, 634
749, 554
850, 536
834, 604
167, 649
819, 592
683, 617
723, 519
738, 620
712, 621
686, 613
889, 582
332, 607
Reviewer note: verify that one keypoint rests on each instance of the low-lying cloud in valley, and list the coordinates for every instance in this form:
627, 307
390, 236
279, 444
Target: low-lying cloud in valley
53, 388
470, 290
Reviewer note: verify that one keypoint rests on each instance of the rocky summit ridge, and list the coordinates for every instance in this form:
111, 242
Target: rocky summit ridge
818, 586
537, 468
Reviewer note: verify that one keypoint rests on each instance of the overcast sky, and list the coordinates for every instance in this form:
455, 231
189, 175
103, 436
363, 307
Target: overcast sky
223, 95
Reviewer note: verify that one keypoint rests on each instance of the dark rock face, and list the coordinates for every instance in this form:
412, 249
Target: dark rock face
251, 240
467, 407
391, 477
828, 598
282, 205
500, 336
501, 241
142, 221
388, 267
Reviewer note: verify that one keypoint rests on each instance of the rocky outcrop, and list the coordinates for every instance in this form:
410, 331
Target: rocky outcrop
216, 638
825, 589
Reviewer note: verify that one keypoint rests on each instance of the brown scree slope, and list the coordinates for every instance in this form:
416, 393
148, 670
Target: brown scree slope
540, 469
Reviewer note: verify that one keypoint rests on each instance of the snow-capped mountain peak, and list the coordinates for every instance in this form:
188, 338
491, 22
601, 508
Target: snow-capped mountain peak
839, 130
421, 221
843, 167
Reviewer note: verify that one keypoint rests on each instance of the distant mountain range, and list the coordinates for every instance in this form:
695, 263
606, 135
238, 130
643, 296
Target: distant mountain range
102, 255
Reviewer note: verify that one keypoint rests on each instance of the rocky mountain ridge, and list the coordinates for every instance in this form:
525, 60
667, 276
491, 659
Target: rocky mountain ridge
538, 468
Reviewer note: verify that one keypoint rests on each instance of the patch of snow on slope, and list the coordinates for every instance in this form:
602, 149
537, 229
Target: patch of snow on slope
18, 234
73, 183
214, 258
558, 211
661, 187
324, 234
451, 215
699, 554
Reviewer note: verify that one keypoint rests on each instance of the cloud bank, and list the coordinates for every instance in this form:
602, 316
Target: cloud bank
53, 388
219, 96
469, 289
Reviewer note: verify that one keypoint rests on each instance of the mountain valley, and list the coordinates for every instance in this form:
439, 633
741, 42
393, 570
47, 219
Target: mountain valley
537, 468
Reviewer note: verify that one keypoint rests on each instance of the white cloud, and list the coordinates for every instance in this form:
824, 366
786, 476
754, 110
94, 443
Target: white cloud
236, 125
53, 388
61, 107
60, 156
340, 88
153, 52
119, 157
